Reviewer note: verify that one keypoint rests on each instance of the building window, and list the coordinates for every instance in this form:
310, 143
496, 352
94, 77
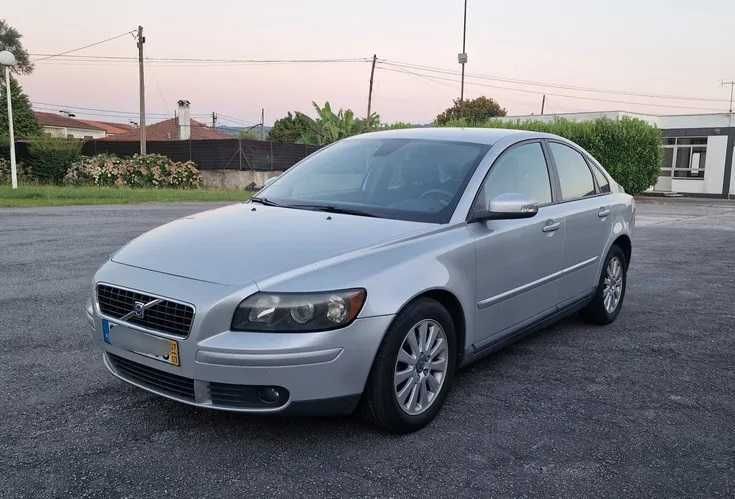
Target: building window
684, 157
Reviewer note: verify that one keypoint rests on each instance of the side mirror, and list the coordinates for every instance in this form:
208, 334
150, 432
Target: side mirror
269, 181
506, 207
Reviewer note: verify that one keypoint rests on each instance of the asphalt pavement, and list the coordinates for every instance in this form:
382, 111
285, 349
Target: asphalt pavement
643, 407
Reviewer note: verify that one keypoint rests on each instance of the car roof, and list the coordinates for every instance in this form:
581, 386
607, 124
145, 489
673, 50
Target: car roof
488, 136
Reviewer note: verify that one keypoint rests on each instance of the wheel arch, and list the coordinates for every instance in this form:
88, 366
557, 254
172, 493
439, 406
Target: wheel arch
452, 304
623, 241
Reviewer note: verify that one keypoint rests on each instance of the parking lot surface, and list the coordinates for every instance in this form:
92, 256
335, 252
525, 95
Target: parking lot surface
643, 407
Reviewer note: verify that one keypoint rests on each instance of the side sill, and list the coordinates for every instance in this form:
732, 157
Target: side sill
523, 331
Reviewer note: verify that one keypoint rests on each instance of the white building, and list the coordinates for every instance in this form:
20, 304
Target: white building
698, 149
56, 125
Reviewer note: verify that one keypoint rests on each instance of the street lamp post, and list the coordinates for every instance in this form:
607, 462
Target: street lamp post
7, 59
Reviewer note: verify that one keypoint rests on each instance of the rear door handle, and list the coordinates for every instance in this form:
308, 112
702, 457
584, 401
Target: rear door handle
551, 226
603, 212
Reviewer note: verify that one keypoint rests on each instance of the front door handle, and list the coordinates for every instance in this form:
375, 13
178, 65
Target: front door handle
551, 226
603, 212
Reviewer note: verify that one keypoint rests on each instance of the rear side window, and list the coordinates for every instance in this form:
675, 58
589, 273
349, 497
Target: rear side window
602, 182
574, 174
521, 170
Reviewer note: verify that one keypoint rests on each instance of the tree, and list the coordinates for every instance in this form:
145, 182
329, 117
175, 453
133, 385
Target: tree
24, 121
10, 40
249, 134
326, 128
472, 111
288, 129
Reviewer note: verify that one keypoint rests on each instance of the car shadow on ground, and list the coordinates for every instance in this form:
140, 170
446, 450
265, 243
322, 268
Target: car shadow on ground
232, 425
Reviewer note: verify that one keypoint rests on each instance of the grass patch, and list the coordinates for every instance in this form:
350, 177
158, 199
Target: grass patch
53, 195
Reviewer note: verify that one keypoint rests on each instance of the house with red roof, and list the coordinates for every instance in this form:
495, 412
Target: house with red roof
58, 125
180, 127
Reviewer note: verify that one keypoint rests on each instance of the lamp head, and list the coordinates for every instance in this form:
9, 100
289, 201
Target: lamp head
7, 58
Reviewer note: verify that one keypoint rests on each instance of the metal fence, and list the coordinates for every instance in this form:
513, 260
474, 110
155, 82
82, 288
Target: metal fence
223, 154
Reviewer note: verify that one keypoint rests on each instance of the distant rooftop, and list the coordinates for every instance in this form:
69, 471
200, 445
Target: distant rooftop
169, 130
58, 120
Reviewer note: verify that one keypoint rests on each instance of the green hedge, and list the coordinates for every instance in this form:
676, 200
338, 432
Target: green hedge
22, 172
50, 158
629, 148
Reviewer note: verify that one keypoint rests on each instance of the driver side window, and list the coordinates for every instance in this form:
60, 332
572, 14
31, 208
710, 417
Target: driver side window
522, 170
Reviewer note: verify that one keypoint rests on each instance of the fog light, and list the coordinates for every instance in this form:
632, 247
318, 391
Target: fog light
270, 395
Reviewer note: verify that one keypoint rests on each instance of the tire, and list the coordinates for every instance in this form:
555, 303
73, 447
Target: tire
599, 311
381, 398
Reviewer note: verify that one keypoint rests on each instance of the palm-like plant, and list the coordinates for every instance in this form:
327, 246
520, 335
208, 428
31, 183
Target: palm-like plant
329, 126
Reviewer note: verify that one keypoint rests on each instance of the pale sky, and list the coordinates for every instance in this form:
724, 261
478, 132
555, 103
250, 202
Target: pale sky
673, 47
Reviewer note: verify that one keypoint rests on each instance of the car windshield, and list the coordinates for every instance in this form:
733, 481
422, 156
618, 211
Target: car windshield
405, 179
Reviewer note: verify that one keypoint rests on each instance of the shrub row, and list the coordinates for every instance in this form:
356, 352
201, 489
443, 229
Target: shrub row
153, 170
22, 171
629, 148
50, 157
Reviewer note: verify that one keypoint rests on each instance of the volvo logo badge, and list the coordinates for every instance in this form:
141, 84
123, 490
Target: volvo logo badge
139, 309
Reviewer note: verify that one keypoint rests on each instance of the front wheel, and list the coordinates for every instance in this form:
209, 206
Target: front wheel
413, 369
608, 300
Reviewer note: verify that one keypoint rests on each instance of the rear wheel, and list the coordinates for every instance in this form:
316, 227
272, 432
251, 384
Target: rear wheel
608, 300
413, 369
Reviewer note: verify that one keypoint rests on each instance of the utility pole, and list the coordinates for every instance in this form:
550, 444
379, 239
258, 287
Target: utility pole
262, 124
214, 120
141, 78
370, 92
543, 104
462, 58
731, 84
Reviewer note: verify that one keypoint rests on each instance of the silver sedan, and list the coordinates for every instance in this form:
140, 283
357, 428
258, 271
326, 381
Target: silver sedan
367, 275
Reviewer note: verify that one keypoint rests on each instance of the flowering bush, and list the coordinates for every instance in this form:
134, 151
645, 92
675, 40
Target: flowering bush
152, 170
23, 172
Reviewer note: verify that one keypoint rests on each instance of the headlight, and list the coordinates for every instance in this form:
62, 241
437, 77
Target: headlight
298, 312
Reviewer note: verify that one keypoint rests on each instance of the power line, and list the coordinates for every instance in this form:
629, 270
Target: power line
200, 60
66, 106
539, 92
49, 56
434, 69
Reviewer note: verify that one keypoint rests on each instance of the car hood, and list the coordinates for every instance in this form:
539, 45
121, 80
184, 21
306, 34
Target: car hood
245, 243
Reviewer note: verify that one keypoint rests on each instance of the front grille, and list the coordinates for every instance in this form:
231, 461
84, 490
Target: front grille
176, 386
167, 316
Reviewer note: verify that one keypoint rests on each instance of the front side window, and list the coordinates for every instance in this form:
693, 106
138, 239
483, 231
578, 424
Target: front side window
520, 170
406, 179
575, 176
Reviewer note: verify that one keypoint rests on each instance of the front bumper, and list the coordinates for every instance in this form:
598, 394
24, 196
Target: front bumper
322, 373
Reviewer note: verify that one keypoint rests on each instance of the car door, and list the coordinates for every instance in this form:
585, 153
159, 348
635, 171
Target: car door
517, 259
586, 216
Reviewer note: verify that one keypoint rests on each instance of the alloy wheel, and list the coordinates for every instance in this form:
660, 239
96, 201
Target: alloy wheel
421, 366
612, 284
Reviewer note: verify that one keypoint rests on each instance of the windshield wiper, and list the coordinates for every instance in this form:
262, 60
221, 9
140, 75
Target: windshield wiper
264, 201
332, 209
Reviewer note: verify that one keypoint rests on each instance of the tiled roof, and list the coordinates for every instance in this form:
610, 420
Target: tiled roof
58, 120
169, 130
109, 127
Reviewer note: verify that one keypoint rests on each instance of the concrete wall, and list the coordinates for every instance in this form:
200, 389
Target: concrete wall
235, 179
714, 166
77, 133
